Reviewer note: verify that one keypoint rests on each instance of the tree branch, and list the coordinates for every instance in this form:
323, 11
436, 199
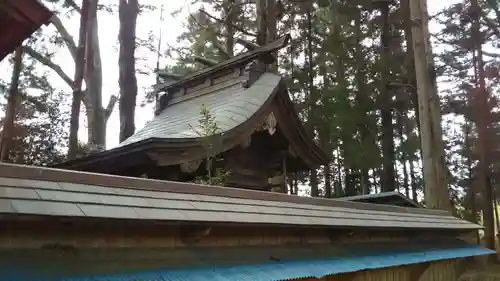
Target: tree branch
168, 75
247, 44
491, 54
73, 5
240, 29
57, 69
66, 36
49, 63
213, 39
110, 107
204, 61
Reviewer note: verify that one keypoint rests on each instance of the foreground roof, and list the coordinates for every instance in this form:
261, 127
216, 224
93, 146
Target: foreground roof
50, 192
386, 198
18, 20
290, 262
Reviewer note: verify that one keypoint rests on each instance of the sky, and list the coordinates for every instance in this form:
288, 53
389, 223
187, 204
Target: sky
169, 28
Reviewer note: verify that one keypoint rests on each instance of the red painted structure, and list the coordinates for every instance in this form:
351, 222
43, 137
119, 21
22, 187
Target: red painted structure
18, 20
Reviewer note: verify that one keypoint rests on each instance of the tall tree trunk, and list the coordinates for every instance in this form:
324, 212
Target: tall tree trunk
311, 122
12, 103
409, 58
414, 194
388, 172
262, 22
409, 72
78, 79
328, 181
436, 186
96, 114
483, 117
229, 13
128, 11
404, 157
361, 101
338, 181
92, 96
470, 200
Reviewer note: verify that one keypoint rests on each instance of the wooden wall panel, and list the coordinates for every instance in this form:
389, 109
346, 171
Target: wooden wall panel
447, 270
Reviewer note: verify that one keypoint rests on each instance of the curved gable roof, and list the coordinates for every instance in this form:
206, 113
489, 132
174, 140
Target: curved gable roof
238, 101
237, 110
231, 106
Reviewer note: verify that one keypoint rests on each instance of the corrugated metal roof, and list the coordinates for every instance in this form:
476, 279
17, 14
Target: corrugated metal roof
359, 258
303, 269
230, 106
18, 196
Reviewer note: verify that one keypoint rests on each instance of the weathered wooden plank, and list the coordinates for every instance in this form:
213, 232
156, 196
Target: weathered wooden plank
161, 189
103, 202
100, 201
89, 193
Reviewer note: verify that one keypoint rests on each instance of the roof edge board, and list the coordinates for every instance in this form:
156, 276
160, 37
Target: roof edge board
381, 195
301, 138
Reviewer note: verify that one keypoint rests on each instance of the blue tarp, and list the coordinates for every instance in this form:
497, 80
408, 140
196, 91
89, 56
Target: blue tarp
288, 269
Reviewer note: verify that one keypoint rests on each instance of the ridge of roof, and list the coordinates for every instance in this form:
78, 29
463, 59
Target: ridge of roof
235, 61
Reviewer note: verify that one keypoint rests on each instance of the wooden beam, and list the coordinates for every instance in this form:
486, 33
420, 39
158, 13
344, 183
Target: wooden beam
247, 44
205, 61
417, 270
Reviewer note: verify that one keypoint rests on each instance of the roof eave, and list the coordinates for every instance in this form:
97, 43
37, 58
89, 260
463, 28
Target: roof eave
36, 15
108, 154
304, 144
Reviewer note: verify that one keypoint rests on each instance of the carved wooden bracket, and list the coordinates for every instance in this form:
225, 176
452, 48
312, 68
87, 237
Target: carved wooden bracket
191, 166
254, 69
192, 234
160, 159
246, 142
271, 123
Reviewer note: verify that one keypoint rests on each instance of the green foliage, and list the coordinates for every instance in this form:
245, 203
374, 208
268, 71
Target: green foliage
210, 134
39, 129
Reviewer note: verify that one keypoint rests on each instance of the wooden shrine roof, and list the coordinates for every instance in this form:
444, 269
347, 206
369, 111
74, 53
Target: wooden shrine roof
238, 109
28, 191
18, 20
231, 105
394, 198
